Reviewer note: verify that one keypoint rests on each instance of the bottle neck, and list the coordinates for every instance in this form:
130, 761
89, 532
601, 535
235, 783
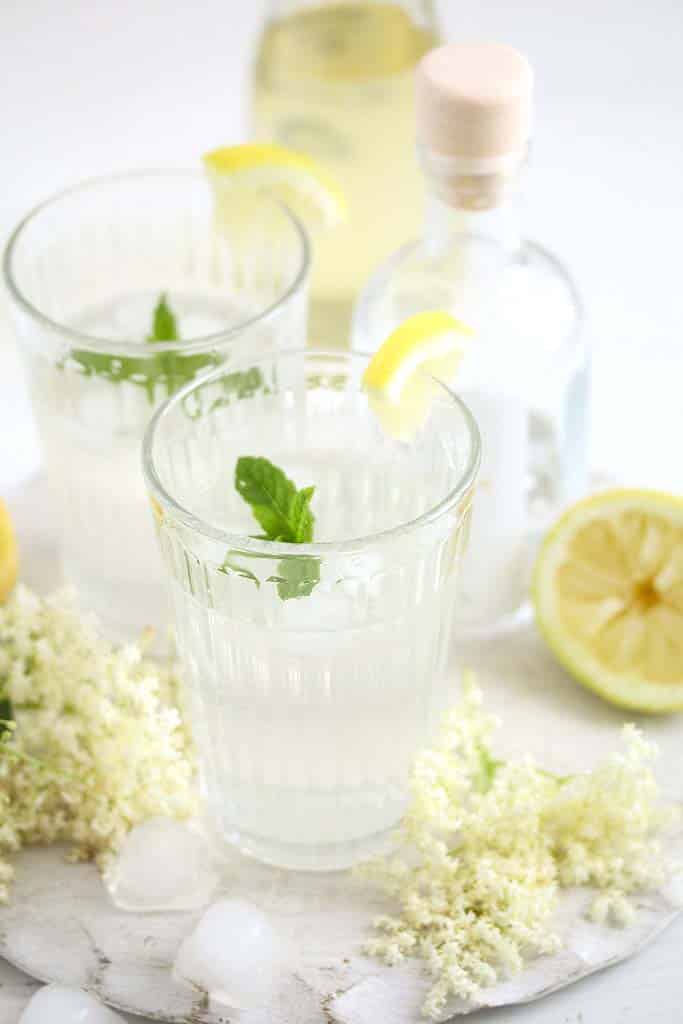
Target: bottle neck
499, 224
473, 199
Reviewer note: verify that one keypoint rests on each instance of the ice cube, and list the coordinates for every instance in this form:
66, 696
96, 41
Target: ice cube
234, 954
57, 1004
163, 864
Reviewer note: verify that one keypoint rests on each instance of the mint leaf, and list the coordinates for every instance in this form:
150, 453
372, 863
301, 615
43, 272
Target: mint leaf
159, 374
164, 326
296, 577
301, 516
241, 384
282, 511
162, 374
284, 514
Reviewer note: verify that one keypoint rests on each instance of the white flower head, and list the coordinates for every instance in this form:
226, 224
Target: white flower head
488, 844
98, 744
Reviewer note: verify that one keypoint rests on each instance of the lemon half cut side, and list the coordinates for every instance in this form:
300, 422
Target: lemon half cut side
608, 593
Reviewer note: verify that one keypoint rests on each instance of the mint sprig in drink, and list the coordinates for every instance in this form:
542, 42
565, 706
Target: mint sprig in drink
284, 514
124, 290
165, 372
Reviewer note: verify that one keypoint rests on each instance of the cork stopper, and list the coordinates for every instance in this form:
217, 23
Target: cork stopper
474, 100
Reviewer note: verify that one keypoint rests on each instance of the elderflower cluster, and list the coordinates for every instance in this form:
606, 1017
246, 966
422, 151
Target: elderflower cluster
97, 744
487, 845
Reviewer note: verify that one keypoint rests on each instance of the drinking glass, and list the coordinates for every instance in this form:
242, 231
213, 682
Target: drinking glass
314, 672
85, 271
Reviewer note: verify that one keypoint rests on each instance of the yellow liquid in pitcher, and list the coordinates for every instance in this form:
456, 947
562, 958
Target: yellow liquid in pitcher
336, 82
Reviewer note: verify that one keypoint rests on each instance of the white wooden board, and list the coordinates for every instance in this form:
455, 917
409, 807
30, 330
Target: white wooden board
62, 927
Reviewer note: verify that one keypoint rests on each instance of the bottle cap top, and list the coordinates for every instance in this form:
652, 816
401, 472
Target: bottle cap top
474, 100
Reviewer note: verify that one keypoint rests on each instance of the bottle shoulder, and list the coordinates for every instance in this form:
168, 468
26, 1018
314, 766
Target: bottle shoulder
526, 291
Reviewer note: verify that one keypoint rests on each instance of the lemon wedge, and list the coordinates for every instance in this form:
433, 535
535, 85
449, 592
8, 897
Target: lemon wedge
608, 592
9, 560
295, 179
401, 378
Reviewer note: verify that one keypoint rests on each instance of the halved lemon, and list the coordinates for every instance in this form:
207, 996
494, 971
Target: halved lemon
9, 559
608, 592
296, 179
401, 378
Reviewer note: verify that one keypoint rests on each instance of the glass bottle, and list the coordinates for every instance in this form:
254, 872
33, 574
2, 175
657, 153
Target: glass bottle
525, 373
334, 79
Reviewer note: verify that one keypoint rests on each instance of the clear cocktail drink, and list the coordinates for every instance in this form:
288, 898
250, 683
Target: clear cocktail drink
315, 671
86, 272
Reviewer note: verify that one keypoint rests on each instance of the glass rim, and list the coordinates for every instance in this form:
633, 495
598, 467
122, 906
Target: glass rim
118, 347
245, 544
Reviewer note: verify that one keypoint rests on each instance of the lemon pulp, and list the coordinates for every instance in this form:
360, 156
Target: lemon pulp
608, 591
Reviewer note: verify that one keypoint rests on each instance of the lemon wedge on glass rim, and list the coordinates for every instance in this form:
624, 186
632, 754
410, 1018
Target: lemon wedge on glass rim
255, 168
608, 592
402, 377
9, 560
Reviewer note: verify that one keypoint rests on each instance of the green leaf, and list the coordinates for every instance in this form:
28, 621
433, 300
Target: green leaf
160, 374
284, 514
488, 767
279, 508
301, 516
297, 576
164, 326
270, 521
241, 384
6, 715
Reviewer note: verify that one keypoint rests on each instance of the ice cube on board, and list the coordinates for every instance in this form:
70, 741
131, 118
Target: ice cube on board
163, 864
57, 1004
234, 954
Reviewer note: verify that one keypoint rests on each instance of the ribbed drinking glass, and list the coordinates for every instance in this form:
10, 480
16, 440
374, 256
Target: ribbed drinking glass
314, 672
85, 272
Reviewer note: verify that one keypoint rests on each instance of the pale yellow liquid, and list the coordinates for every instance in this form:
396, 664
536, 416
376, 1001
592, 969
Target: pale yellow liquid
336, 82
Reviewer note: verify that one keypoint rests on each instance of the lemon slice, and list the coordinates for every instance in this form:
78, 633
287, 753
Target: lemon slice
401, 378
296, 179
9, 560
608, 591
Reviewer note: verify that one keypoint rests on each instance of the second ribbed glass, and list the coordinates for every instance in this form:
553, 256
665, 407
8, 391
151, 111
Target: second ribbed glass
315, 672
85, 272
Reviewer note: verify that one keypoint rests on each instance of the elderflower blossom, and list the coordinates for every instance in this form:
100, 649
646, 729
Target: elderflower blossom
97, 745
486, 846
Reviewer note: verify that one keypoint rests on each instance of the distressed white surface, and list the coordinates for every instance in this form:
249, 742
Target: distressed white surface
16, 988
60, 926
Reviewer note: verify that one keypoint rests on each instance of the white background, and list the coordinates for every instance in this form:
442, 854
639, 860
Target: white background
91, 86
